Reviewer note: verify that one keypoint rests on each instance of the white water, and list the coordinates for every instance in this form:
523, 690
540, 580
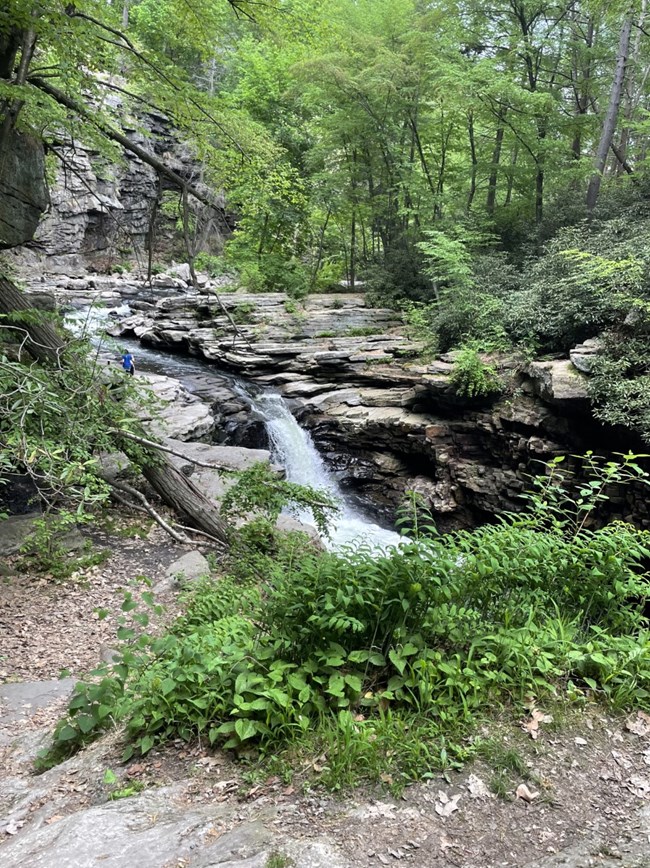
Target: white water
89, 322
293, 448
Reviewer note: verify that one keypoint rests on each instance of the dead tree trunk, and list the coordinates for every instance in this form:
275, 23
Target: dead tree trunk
609, 124
179, 492
39, 338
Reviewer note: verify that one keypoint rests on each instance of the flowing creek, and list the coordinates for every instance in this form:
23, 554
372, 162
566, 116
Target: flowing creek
291, 446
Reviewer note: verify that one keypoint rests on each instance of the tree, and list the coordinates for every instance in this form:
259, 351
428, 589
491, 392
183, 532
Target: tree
55, 59
609, 123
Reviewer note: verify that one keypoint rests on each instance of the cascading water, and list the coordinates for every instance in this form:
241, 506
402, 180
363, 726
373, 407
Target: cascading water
293, 448
89, 322
291, 445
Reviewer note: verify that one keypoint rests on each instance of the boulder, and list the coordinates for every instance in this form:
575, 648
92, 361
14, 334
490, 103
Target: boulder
180, 415
15, 531
181, 270
558, 381
188, 568
582, 356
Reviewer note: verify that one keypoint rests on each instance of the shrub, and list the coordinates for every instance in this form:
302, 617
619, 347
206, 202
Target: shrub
212, 265
360, 655
471, 377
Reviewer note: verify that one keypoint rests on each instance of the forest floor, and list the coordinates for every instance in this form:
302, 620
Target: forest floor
589, 772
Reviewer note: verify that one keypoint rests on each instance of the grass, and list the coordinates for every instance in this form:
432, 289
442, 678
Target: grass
279, 860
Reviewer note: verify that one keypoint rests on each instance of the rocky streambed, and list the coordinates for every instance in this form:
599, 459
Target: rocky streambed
384, 421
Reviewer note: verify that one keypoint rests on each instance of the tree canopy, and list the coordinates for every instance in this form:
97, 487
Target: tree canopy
344, 132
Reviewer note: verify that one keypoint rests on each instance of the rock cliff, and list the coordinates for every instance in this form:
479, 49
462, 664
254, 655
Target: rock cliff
100, 212
23, 193
385, 422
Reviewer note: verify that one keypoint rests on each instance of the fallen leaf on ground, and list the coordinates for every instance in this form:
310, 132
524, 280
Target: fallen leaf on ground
522, 792
536, 717
54, 819
639, 725
445, 807
477, 788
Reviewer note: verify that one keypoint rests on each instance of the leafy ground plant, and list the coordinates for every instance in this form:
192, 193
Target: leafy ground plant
381, 665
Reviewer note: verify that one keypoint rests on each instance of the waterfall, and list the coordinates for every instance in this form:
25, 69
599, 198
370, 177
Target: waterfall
293, 448
291, 445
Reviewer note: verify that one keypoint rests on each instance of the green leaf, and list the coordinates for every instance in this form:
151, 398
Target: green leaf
335, 685
85, 722
354, 682
145, 744
167, 685
398, 662
245, 729
66, 733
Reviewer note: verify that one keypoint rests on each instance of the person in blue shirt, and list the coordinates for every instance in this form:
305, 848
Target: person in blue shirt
128, 362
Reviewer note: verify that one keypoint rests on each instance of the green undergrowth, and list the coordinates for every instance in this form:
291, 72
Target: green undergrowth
361, 666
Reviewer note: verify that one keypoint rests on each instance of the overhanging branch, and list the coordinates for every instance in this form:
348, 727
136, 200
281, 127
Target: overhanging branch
116, 136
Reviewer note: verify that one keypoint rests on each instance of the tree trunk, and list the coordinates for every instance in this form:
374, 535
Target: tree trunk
472, 152
581, 86
353, 251
511, 176
496, 157
179, 492
40, 339
609, 124
635, 87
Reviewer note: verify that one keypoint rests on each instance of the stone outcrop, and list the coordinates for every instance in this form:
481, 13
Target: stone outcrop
336, 334
23, 191
100, 213
384, 422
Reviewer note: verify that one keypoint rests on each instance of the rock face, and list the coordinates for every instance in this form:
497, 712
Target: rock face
100, 214
23, 192
384, 423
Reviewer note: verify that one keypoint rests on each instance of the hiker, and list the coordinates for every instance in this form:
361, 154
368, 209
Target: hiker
128, 362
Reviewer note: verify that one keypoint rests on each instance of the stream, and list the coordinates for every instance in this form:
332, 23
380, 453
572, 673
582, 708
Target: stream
291, 446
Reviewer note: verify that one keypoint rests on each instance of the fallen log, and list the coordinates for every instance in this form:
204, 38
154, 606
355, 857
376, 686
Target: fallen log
179, 492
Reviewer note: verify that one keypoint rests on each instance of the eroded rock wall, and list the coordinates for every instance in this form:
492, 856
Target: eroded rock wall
101, 211
384, 422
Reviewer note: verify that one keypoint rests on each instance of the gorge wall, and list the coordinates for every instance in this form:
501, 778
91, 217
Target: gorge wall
384, 421
101, 210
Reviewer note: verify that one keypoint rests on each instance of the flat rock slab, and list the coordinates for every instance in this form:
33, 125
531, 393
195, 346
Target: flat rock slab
22, 699
632, 851
153, 830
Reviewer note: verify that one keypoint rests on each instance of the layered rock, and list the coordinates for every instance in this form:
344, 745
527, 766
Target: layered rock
100, 213
385, 423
